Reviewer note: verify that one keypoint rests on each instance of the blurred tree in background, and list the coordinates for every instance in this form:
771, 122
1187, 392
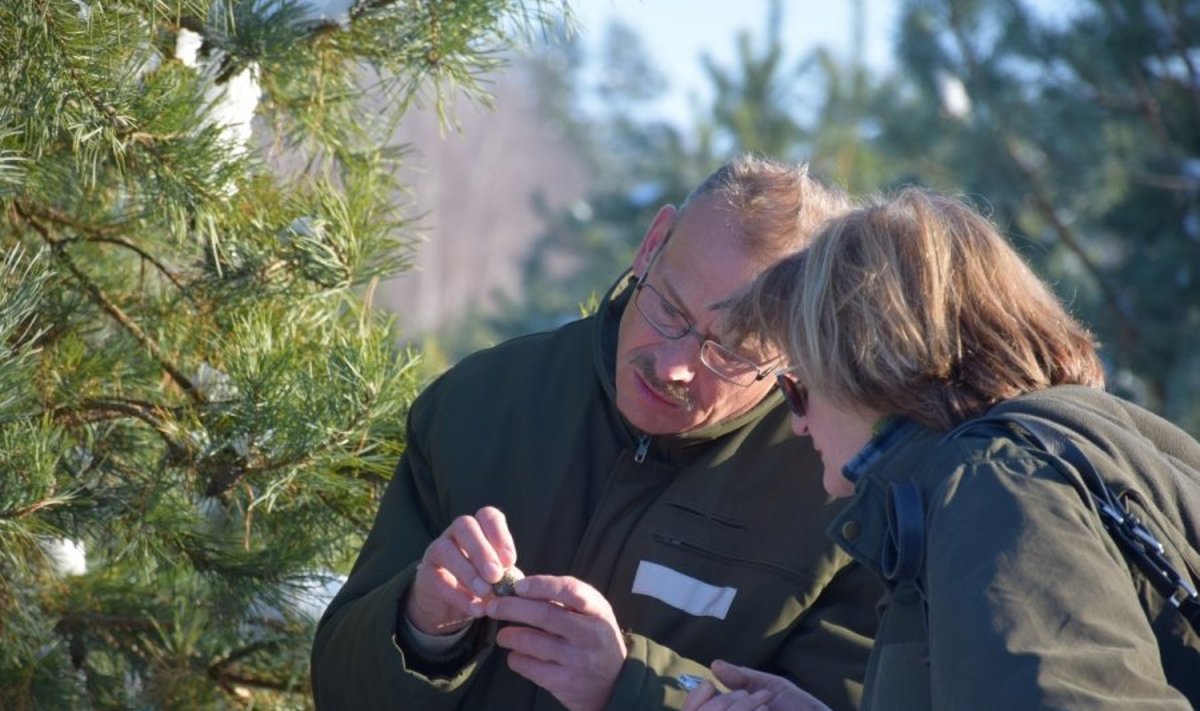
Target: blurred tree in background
1082, 133
1078, 130
199, 404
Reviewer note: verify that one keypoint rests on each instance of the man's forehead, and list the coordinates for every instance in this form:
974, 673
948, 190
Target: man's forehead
692, 292
703, 279
710, 316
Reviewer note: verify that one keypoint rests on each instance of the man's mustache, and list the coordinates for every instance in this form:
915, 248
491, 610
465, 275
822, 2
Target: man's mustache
675, 392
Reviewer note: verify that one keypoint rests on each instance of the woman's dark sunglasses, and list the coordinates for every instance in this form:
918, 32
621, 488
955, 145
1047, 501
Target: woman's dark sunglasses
795, 394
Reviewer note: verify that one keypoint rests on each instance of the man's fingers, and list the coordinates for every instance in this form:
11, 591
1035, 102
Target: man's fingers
495, 528
566, 639
742, 700
469, 537
532, 642
444, 557
459, 569
438, 603
548, 675
453, 592
539, 614
699, 695
730, 675
738, 700
571, 593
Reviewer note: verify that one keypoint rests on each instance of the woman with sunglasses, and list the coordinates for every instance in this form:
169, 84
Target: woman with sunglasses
917, 337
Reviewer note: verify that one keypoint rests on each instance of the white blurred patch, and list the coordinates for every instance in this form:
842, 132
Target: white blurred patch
213, 384
234, 105
67, 557
315, 593
304, 597
233, 101
187, 47
956, 102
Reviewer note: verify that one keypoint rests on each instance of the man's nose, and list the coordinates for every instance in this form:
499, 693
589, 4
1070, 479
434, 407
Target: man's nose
679, 359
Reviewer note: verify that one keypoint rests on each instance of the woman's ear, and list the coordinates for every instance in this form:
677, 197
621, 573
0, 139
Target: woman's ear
654, 239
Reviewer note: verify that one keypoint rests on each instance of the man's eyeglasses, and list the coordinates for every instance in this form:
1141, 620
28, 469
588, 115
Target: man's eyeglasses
669, 321
794, 394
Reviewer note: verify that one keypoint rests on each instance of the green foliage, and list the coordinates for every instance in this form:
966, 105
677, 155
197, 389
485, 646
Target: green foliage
200, 407
1081, 133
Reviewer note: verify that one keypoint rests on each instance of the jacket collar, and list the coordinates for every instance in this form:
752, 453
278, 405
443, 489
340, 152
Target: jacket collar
861, 528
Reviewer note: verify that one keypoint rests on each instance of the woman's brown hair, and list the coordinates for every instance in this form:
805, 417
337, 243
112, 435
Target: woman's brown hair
916, 305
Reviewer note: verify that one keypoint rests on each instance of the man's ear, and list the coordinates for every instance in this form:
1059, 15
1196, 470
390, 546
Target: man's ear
654, 238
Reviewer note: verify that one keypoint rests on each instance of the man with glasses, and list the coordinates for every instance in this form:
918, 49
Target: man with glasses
638, 466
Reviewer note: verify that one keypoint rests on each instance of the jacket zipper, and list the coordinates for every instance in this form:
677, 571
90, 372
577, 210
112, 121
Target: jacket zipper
642, 448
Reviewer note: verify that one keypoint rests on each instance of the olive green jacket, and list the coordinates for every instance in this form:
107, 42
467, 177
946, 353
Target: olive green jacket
1023, 600
721, 532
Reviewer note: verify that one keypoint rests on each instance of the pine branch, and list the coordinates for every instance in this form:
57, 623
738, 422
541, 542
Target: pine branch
104, 233
102, 300
224, 478
118, 123
91, 621
162, 268
1040, 194
59, 217
100, 410
218, 667
362, 523
228, 679
32, 508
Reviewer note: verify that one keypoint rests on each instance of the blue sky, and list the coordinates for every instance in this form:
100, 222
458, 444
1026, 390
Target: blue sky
677, 32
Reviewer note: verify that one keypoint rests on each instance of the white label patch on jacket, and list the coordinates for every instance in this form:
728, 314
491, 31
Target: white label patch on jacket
682, 591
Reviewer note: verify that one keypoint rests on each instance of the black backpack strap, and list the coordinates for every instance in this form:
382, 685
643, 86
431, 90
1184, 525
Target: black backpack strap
902, 565
1135, 540
903, 557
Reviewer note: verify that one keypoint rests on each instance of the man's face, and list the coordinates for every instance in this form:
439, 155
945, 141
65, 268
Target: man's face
662, 385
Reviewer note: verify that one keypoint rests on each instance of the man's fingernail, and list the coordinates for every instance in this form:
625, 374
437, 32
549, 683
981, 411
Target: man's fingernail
480, 587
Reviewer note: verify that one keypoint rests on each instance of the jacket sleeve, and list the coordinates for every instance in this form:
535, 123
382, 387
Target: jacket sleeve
1031, 605
825, 653
357, 660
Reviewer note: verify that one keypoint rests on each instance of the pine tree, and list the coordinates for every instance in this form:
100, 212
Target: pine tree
198, 405
1081, 132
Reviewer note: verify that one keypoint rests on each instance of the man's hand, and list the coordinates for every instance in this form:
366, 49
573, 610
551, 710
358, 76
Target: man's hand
752, 690
454, 580
566, 639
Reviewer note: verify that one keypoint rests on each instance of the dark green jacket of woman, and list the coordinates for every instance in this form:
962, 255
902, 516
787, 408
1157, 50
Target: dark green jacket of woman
1023, 600
706, 545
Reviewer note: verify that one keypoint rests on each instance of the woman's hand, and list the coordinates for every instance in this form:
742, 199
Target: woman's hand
752, 690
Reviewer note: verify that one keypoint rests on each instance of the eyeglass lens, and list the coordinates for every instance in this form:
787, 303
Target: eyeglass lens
670, 321
794, 394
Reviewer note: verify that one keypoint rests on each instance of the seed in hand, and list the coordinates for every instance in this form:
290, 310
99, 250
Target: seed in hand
504, 587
